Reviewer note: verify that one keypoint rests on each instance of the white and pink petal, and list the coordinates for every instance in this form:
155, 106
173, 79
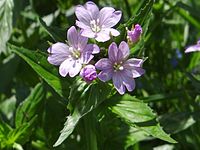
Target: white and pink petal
72, 37
58, 52
92, 8
75, 68
65, 67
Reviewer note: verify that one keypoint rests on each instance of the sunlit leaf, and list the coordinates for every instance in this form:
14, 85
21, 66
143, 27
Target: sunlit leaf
139, 115
6, 14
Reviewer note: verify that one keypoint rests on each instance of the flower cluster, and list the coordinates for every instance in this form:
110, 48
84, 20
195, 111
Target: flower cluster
74, 57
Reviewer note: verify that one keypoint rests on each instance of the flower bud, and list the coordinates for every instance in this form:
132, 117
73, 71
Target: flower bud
134, 35
88, 73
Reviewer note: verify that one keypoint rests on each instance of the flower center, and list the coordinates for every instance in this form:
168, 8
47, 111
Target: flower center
118, 66
94, 24
75, 52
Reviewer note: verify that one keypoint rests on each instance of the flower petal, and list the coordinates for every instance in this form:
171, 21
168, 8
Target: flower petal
114, 32
129, 83
65, 67
134, 72
92, 9
96, 49
86, 57
92, 48
75, 68
104, 64
105, 13
82, 25
83, 15
72, 37
123, 47
118, 83
113, 19
193, 48
103, 36
58, 53
82, 41
88, 33
133, 62
114, 54
105, 75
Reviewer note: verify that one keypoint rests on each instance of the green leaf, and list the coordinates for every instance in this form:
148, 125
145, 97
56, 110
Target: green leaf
134, 110
92, 95
6, 14
182, 10
154, 129
56, 33
188, 8
30, 106
38, 61
4, 130
139, 115
22, 133
179, 121
195, 82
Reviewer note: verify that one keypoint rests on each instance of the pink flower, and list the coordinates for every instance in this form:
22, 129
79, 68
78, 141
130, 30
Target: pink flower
119, 69
88, 73
70, 57
193, 48
134, 35
97, 23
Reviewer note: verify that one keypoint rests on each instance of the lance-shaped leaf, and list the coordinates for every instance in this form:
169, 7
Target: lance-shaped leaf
30, 106
90, 97
38, 61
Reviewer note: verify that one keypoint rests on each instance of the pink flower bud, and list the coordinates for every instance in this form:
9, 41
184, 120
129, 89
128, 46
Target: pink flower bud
134, 35
88, 73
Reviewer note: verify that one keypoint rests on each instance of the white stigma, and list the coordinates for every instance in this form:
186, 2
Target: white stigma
121, 68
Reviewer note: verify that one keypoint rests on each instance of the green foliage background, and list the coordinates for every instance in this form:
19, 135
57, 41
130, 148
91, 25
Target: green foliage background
36, 103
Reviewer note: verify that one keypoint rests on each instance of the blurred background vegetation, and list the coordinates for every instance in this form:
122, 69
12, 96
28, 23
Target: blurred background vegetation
170, 86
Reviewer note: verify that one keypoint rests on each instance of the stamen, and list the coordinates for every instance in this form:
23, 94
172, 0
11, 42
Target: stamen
94, 24
121, 68
118, 66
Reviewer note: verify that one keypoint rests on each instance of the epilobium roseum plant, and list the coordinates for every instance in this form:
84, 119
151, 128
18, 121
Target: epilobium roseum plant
193, 48
76, 55
119, 69
134, 35
97, 23
72, 56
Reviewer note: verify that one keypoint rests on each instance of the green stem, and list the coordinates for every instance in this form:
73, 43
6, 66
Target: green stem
91, 140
